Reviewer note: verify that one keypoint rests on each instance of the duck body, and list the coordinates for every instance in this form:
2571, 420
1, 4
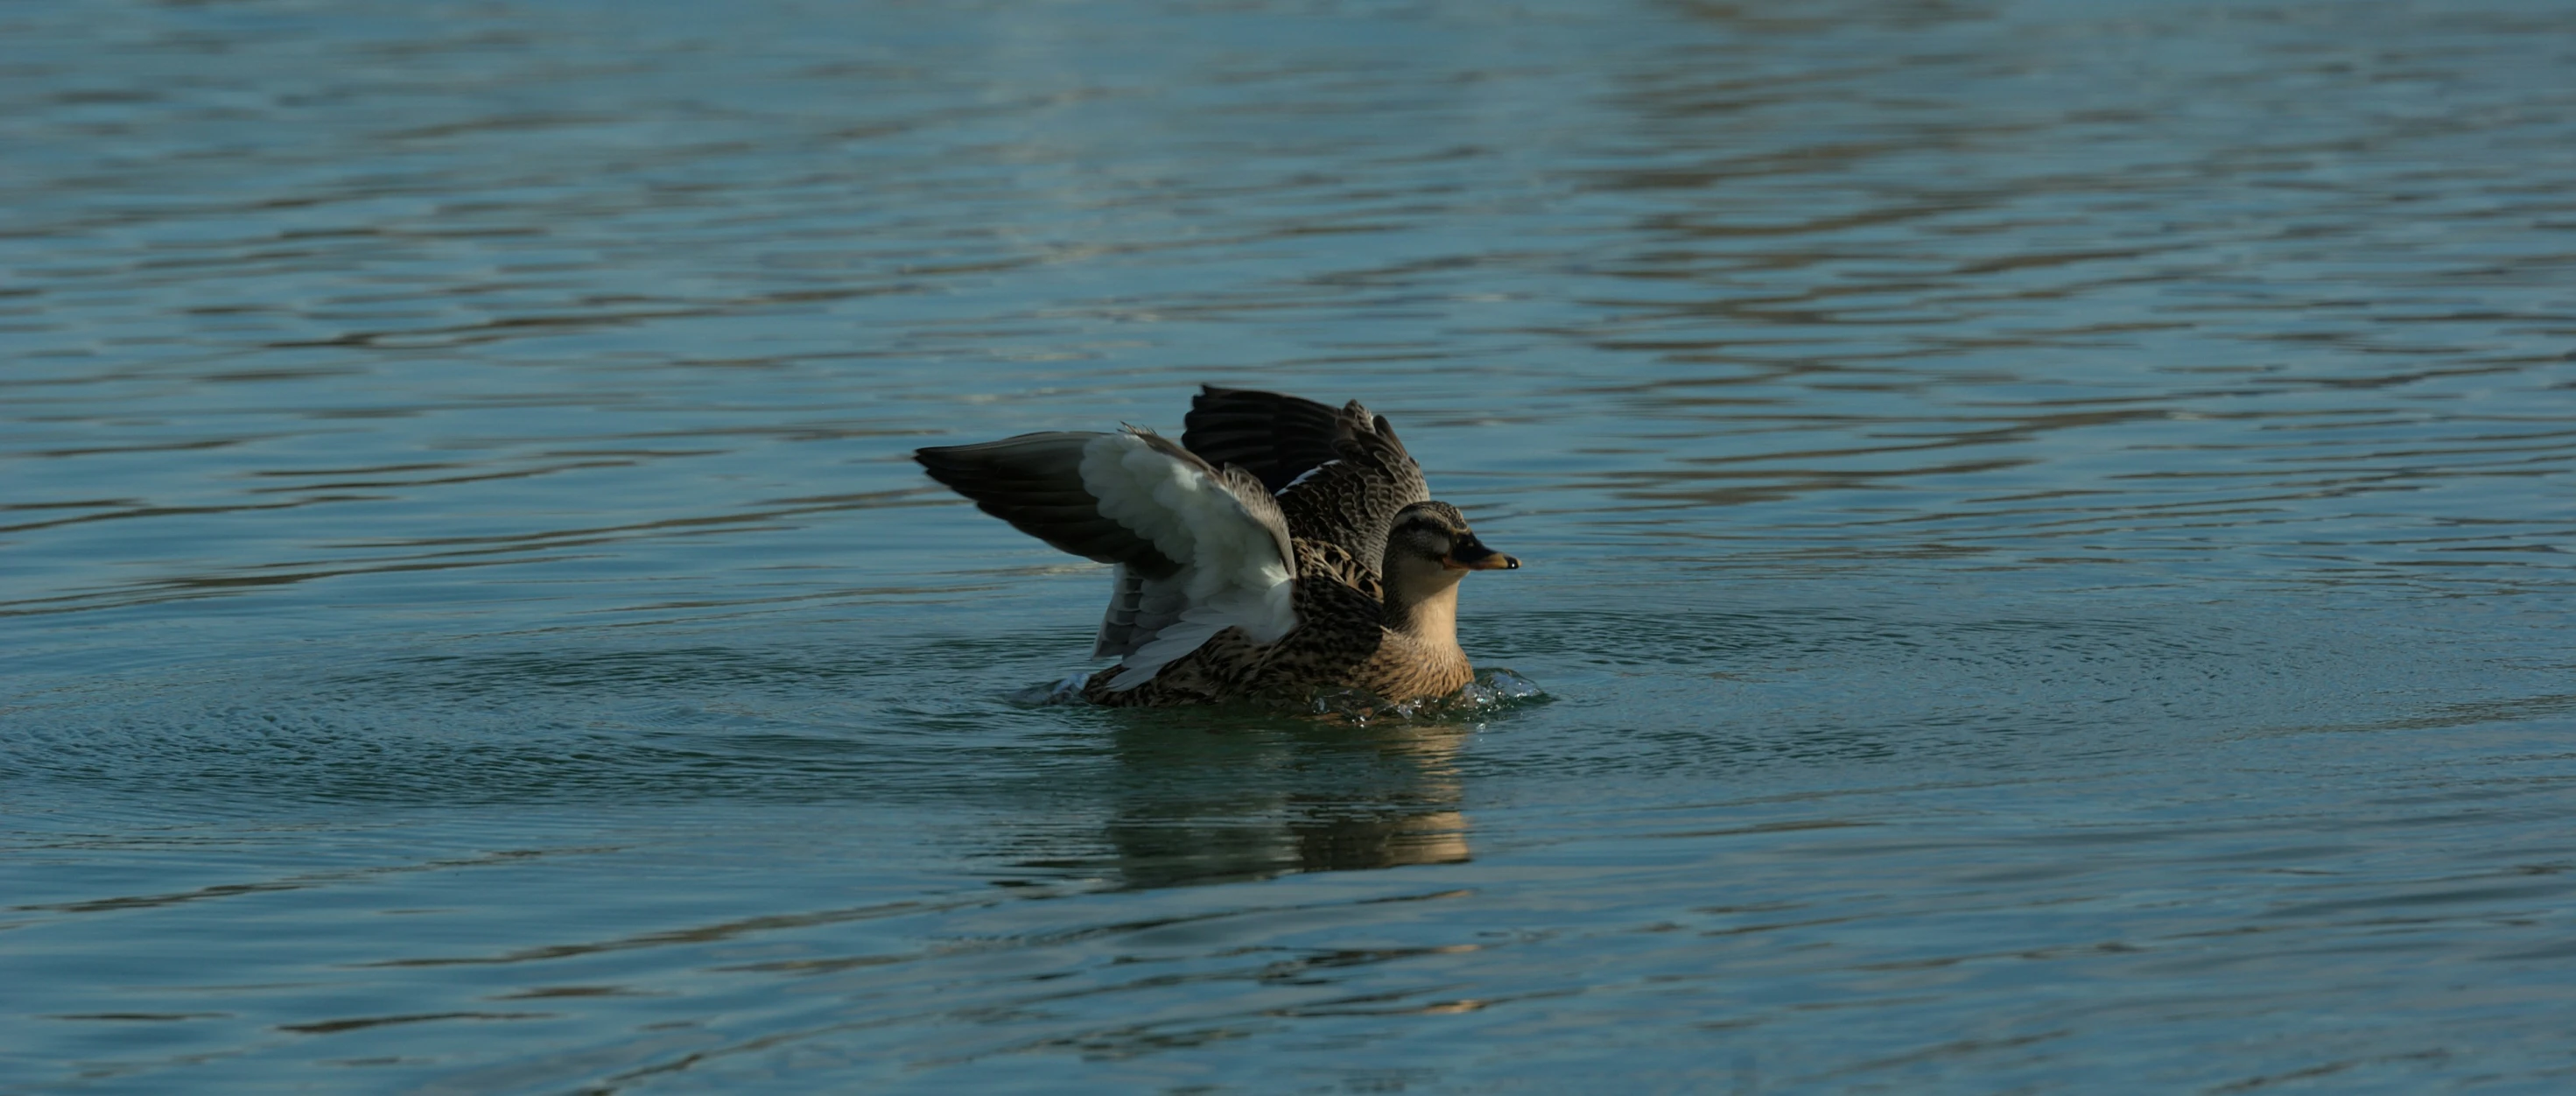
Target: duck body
1343, 639
1283, 548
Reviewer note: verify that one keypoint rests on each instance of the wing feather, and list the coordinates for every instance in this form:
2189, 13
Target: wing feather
1198, 548
1225, 528
1034, 481
1139, 608
1276, 437
1340, 474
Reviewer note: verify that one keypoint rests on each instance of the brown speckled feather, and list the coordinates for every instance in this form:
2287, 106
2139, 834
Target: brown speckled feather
1341, 641
1341, 474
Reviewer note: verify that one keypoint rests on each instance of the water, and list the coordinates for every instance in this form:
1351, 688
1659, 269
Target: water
2047, 526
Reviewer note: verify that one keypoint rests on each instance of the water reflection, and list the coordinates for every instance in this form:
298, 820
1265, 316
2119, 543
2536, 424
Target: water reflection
1201, 805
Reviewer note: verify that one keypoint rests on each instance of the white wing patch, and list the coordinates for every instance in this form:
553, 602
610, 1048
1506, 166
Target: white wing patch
1231, 575
1310, 473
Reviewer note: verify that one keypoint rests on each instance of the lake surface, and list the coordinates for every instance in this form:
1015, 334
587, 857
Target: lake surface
2047, 525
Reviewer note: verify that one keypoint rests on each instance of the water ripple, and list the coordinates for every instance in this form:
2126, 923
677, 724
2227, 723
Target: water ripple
2047, 532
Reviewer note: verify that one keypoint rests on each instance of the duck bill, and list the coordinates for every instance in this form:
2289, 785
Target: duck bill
1472, 555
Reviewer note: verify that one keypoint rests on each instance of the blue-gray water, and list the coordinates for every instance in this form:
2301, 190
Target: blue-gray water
2048, 527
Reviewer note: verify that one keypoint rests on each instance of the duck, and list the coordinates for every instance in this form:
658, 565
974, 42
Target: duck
1280, 550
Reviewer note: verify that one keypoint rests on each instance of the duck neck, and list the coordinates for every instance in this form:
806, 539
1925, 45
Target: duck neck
1423, 606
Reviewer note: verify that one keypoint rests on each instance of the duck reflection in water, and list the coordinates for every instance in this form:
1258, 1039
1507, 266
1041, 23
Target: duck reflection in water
1196, 804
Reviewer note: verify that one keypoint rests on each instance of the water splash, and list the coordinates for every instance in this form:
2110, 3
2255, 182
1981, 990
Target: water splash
1492, 690
1064, 690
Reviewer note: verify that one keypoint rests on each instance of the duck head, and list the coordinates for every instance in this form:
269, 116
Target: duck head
1429, 547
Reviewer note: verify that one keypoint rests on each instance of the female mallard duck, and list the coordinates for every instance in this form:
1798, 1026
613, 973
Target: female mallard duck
1280, 548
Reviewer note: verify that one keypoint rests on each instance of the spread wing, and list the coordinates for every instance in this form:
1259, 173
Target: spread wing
1273, 436
1340, 474
1199, 549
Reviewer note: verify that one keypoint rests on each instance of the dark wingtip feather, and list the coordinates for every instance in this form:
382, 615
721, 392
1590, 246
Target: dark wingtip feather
1274, 436
1034, 482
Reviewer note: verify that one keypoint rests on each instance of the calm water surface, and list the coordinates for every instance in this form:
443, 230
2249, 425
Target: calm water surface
2048, 525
